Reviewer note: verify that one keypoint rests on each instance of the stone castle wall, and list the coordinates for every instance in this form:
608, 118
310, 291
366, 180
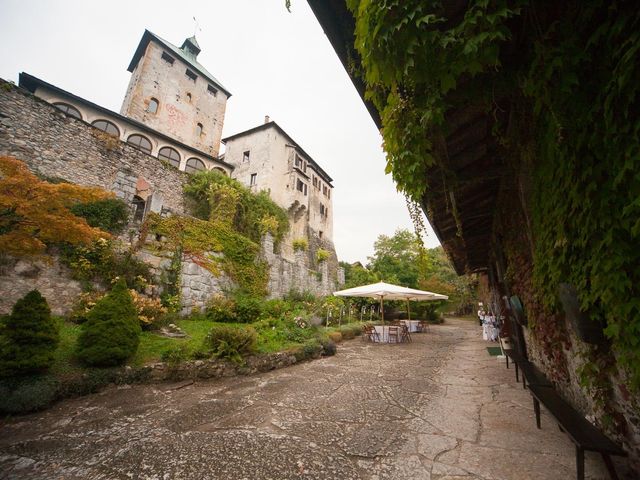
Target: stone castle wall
55, 145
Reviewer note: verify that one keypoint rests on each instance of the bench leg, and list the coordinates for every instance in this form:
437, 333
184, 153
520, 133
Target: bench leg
524, 382
610, 467
517, 378
580, 463
507, 358
536, 408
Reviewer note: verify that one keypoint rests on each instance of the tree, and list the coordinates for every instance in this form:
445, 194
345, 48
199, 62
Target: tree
355, 275
112, 332
34, 212
29, 337
398, 259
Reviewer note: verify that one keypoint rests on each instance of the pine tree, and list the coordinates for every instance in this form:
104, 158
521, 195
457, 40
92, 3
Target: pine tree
112, 332
29, 337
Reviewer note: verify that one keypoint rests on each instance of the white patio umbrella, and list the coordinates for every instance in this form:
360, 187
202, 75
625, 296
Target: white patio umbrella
383, 290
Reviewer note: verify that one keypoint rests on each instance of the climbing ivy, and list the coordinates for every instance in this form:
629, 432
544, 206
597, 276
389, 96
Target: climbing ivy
583, 82
573, 91
412, 57
222, 199
216, 247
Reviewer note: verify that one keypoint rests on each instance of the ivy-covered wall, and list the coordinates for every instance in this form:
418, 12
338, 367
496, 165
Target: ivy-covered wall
557, 85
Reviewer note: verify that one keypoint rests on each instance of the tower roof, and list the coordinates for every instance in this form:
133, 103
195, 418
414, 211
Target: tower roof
181, 53
190, 46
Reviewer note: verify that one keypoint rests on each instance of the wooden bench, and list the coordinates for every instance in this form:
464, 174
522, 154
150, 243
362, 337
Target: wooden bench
529, 371
582, 433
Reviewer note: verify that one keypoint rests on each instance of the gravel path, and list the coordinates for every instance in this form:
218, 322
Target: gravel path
439, 408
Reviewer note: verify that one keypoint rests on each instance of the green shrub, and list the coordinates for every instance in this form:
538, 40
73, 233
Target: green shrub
101, 261
28, 337
27, 394
112, 332
312, 348
175, 355
322, 255
335, 337
329, 347
231, 342
297, 296
300, 245
347, 333
275, 308
110, 214
248, 309
221, 309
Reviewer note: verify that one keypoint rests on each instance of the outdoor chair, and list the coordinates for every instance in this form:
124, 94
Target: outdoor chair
394, 334
395, 322
405, 335
370, 334
423, 326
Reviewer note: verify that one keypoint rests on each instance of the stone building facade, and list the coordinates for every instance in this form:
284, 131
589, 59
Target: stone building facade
267, 158
172, 93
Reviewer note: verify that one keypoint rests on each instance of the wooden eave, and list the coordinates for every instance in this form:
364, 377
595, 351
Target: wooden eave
462, 187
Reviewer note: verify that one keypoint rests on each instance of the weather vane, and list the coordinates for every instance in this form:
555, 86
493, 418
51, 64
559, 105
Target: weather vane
196, 27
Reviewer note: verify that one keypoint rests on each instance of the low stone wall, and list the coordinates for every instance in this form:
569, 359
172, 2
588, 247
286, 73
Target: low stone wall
207, 369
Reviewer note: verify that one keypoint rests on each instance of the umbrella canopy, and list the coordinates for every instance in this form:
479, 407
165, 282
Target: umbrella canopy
383, 291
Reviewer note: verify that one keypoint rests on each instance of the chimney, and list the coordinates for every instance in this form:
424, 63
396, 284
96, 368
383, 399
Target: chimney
266, 119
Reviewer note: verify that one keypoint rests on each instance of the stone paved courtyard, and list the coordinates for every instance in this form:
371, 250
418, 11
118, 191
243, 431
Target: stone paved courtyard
440, 408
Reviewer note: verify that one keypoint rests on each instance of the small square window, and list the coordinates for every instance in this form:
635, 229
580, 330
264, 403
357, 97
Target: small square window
212, 90
245, 156
167, 58
254, 179
192, 76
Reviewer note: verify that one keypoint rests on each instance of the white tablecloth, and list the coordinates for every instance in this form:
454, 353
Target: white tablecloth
412, 325
383, 333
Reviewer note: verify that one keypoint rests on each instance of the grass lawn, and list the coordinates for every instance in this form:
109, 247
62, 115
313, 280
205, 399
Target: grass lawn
152, 345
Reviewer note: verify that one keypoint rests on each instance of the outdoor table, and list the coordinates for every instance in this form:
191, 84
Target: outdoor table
412, 325
383, 333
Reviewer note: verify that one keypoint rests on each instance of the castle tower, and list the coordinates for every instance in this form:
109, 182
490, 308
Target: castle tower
172, 93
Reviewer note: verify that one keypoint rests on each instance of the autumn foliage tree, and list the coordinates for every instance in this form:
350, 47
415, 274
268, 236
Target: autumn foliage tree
34, 213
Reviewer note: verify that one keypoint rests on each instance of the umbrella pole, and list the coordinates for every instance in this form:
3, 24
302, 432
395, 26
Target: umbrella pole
408, 310
382, 309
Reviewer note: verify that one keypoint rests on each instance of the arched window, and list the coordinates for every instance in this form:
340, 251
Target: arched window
219, 170
189, 97
107, 126
140, 142
170, 155
194, 165
199, 128
69, 110
153, 106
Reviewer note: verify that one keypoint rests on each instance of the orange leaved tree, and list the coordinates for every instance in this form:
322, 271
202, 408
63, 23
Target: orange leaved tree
34, 212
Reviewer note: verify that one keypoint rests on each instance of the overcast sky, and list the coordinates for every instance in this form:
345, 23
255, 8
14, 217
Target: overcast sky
273, 62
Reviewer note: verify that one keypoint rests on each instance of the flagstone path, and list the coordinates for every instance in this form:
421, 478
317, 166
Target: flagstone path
439, 408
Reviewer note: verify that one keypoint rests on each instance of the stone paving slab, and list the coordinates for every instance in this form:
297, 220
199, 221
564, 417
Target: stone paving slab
439, 408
